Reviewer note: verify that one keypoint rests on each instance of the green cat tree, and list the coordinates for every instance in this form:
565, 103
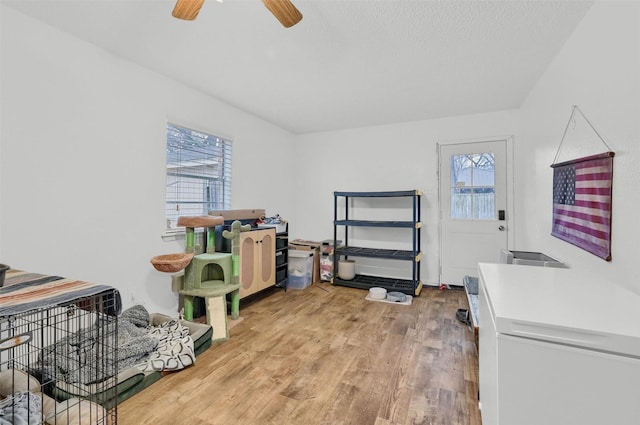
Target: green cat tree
210, 275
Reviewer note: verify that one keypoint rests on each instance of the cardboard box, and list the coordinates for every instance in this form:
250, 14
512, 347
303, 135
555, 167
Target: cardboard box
239, 214
309, 246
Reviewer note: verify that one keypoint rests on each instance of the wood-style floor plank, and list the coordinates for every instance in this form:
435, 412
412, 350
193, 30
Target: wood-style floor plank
326, 356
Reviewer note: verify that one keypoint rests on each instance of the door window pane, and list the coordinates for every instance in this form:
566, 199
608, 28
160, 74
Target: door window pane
473, 187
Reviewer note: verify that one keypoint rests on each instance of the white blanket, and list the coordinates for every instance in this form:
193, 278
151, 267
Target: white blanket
175, 348
21, 408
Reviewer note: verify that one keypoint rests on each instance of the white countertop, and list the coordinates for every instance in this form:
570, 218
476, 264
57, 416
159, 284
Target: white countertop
562, 305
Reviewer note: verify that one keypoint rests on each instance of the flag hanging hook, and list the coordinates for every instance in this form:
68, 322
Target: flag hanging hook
572, 118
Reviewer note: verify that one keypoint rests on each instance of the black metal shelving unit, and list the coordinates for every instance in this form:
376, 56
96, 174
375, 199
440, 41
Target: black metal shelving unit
282, 258
411, 286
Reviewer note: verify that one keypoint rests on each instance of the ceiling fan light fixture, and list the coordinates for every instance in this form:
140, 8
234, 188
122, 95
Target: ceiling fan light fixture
187, 9
284, 11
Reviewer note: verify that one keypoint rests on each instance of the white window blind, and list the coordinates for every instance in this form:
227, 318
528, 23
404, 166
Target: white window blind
198, 173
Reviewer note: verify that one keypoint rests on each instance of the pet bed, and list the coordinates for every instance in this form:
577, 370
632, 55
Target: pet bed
25, 292
22, 402
139, 376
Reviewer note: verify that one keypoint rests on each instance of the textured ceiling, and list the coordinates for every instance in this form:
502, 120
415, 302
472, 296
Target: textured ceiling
348, 63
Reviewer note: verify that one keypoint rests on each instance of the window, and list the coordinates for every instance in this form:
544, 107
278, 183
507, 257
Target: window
198, 173
473, 194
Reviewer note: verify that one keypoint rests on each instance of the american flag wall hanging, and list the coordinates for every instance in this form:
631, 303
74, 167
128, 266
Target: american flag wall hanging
582, 203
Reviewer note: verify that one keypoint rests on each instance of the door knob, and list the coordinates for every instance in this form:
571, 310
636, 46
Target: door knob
501, 228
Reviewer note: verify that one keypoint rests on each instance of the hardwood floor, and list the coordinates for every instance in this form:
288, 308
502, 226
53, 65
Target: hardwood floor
325, 355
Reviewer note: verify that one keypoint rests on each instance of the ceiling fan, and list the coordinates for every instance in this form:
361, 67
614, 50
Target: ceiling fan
284, 10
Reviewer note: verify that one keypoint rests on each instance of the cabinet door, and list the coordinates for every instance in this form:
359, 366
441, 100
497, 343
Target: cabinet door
266, 251
247, 264
547, 383
257, 260
488, 359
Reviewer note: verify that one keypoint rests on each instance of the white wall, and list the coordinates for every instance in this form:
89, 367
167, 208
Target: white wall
82, 171
599, 71
393, 157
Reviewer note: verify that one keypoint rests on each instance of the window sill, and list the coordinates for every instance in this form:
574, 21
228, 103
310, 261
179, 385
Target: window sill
173, 235
177, 234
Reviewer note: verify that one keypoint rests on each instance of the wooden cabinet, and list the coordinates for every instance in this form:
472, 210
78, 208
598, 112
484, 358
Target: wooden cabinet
257, 260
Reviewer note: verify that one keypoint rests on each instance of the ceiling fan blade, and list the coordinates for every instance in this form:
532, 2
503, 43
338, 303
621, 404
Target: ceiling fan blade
187, 9
285, 11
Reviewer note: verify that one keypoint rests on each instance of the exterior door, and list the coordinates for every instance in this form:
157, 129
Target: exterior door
473, 207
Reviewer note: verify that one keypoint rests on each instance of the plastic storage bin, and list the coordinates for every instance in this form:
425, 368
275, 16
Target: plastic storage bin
300, 267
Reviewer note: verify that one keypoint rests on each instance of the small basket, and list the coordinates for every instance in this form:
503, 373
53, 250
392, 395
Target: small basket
172, 263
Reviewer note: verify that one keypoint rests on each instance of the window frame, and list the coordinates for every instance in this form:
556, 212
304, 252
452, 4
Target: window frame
197, 159
473, 190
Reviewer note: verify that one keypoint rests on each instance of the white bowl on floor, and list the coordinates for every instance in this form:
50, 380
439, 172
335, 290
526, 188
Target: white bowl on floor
377, 293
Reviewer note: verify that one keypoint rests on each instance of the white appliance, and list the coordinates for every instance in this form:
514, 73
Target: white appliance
557, 347
529, 258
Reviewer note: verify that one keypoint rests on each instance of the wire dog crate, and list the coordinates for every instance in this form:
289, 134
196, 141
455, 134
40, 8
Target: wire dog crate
58, 364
